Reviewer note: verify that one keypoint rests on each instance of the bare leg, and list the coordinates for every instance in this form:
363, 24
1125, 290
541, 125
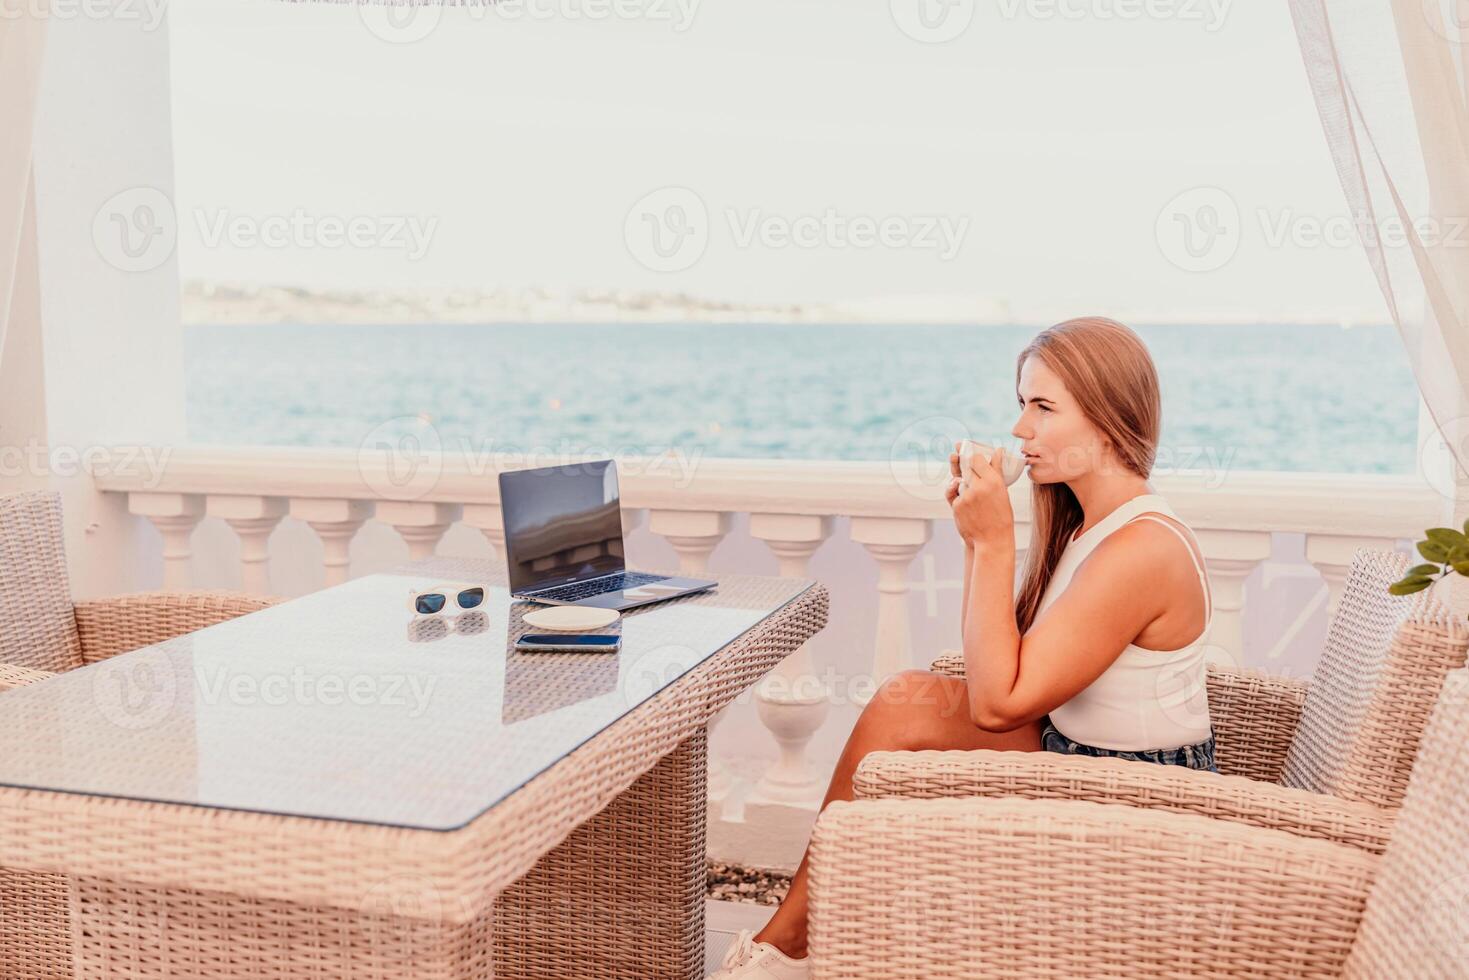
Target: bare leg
916, 709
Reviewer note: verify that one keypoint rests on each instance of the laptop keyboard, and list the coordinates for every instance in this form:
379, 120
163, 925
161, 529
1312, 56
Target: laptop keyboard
612, 583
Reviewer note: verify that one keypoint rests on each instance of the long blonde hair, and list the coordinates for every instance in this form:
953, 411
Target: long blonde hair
1109, 372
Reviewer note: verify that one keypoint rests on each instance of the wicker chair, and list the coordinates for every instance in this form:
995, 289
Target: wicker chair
1012, 888
1321, 760
42, 632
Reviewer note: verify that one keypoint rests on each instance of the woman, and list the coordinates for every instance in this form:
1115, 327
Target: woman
1101, 652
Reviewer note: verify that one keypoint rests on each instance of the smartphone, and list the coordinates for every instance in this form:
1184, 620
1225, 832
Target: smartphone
586, 642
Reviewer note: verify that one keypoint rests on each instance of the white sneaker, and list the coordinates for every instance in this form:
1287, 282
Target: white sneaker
749, 960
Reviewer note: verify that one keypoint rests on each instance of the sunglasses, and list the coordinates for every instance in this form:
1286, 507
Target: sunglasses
433, 601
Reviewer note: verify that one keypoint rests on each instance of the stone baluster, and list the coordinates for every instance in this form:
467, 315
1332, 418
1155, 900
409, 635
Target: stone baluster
694, 534
420, 523
893, 542
791, 700
1231, 556
1331, 554
489, 520
336, 523
175, 515
253, 519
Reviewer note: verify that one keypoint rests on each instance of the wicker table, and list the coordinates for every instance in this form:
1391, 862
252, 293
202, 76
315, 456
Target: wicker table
333, 788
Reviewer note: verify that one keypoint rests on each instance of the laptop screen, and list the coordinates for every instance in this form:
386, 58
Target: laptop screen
562, 524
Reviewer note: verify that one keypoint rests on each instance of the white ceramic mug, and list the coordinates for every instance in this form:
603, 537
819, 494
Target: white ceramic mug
1010, 464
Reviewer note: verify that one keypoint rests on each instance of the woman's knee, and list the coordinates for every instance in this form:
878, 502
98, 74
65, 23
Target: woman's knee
914, 708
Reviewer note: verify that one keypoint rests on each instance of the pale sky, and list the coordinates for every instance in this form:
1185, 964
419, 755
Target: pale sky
1052, 134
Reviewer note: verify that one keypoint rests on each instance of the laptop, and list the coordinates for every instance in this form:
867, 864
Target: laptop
563, 540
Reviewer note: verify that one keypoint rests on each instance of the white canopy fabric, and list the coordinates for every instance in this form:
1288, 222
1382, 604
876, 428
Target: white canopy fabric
22, 38
1390, 87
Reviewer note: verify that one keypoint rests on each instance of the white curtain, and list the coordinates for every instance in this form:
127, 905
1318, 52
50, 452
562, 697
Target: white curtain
1389, 82
22, 37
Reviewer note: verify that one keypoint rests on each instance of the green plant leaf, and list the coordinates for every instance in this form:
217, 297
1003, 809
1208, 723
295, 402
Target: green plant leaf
1447, 537
1424, 570
1409, 585
1462, 567
1433, 551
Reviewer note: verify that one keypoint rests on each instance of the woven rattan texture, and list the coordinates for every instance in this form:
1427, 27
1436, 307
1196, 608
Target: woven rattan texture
37, 628
1376, 683
1253, 715
1058, 889
635, 869
1417, 922
170, 861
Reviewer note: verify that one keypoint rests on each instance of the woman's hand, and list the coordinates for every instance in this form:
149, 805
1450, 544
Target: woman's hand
982, 512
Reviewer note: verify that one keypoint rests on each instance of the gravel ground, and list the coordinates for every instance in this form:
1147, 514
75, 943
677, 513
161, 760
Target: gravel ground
734, 883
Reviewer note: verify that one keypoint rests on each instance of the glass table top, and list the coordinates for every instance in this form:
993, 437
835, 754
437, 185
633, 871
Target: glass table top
346, 705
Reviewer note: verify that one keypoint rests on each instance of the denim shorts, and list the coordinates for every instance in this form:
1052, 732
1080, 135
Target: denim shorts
1199, 755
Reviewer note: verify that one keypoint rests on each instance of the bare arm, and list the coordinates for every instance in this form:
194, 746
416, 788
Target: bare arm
951, 493
1120, 588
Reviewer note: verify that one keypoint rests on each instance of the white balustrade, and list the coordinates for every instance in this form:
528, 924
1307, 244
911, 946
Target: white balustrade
488, 520
253, 519
694, 534
175, 515
893, 542
791, 700
1231, 557
420, 523
336, 522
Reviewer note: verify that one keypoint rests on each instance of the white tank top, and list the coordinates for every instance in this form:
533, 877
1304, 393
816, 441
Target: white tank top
1147, 699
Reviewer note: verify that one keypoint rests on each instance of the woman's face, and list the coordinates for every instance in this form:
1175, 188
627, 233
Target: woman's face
1059, 442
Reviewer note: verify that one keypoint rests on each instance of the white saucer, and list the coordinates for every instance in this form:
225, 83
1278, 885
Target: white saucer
571, 618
